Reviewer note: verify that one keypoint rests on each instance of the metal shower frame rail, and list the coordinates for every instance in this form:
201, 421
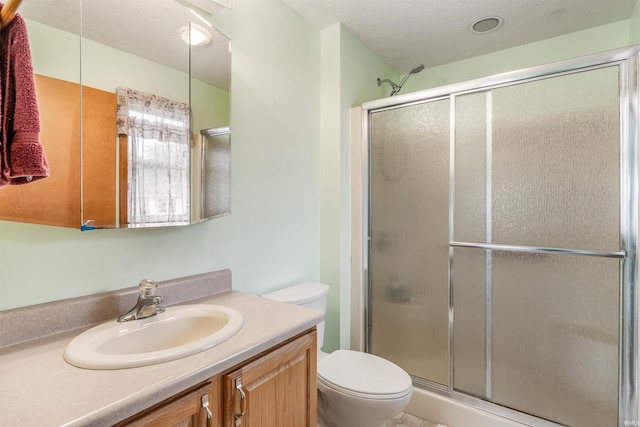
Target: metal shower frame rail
628, 60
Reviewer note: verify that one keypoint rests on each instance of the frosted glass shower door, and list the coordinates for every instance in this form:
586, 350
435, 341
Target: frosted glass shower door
409, 236
537, 226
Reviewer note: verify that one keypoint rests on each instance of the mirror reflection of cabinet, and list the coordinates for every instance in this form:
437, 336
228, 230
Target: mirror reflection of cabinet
54, 200
135, 44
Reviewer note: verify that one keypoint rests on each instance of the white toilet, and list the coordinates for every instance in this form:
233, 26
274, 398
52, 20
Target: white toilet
355, 389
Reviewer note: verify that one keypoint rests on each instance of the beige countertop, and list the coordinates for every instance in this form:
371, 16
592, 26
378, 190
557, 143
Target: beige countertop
38, 388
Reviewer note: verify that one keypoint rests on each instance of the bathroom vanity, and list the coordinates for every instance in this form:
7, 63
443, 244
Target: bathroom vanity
266, 373
282, 379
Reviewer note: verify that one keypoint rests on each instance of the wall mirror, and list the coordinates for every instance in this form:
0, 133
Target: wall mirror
93, 60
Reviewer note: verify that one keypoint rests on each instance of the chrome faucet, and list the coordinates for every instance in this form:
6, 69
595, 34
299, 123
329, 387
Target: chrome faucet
147, 305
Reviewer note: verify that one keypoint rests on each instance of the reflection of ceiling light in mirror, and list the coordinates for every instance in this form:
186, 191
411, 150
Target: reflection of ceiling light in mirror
198, 36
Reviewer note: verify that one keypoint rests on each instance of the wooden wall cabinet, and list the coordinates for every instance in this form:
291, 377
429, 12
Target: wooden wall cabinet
276, 388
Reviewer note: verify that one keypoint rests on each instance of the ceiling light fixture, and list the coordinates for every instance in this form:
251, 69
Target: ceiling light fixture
195, 35
486, 25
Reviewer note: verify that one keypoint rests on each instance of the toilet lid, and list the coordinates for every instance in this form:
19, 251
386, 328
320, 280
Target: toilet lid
363, 373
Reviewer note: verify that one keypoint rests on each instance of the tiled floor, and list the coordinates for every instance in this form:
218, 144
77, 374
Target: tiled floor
407, 420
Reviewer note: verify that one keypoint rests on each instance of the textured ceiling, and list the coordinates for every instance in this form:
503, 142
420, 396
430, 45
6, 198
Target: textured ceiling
404, 33
145, 28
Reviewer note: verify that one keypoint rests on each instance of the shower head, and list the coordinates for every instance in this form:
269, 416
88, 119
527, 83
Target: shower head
414, 70
396, 88
417, 69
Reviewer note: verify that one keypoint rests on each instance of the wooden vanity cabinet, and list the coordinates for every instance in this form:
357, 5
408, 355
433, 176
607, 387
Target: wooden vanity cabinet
187, 409
275, 389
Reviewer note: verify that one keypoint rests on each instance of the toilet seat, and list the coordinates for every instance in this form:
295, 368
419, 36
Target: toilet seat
363, 375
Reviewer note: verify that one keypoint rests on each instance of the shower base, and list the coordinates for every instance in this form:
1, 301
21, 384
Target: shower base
432, 406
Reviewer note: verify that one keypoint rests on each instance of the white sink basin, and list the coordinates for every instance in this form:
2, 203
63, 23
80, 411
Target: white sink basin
178, 332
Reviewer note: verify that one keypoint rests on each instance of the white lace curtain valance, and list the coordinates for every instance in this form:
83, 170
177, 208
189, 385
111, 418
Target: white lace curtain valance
152, 116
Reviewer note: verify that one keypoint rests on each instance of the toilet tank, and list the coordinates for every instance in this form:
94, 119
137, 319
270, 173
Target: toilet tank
308, 294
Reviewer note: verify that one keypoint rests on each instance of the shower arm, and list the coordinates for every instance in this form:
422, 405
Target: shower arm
394, 87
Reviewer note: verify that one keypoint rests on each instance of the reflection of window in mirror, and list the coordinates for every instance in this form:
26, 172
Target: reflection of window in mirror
155, 159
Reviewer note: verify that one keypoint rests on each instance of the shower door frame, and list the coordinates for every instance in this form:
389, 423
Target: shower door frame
628, 60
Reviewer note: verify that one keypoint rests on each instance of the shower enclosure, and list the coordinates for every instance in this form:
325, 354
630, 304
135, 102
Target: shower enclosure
502, 231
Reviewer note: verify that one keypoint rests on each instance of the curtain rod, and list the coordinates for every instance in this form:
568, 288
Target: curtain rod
8, 12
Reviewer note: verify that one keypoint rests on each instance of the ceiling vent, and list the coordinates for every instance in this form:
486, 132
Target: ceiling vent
486, 25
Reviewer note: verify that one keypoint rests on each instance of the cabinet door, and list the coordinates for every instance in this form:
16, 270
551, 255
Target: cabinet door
276, 389
185, 410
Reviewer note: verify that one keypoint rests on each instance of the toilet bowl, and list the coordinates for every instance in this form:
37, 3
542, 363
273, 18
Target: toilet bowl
360, 390
355, 389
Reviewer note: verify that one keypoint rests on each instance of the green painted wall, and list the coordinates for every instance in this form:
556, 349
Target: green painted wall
349, 72
63, 62
634, 25
330, 182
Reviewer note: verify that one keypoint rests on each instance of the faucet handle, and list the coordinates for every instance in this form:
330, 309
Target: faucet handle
147, 287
